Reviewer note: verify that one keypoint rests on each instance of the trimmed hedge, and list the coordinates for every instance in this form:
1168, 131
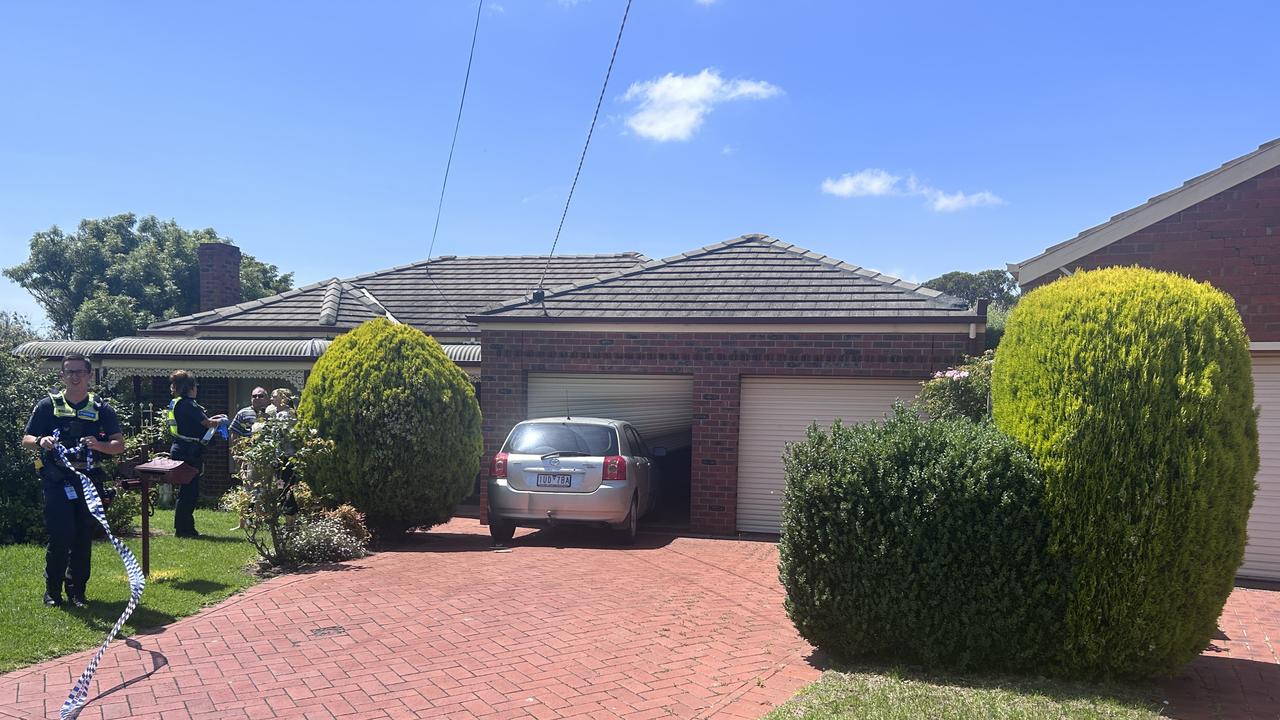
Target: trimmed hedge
405, 425
919, 541
1132, 388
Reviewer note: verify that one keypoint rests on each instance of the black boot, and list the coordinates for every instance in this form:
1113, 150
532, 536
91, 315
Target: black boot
75, 595
54, 598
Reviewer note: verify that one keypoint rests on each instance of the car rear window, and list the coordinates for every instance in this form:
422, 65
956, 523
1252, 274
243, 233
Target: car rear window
543, 438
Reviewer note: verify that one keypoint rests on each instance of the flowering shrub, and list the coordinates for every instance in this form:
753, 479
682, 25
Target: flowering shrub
963, 391
274, 464
323, 538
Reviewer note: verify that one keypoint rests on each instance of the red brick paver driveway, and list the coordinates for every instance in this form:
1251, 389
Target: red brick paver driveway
557, 627
675, 627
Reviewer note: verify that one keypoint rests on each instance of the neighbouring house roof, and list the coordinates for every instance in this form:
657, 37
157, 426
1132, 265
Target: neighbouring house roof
1195, 190
155, 348
750, 278
435, 296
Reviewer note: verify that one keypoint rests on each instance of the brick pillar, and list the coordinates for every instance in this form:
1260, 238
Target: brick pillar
213, 396
219, 275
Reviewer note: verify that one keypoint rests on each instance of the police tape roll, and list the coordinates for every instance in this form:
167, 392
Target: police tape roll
80, 691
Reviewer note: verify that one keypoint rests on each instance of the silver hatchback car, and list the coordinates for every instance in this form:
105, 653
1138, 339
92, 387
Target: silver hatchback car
571, 470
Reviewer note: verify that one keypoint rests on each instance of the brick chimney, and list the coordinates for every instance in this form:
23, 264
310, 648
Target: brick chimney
219, 275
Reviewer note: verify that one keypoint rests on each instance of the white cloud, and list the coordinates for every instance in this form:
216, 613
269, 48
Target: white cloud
874, 182
871, 181
705, 2
673, 107
950, 202
728, 150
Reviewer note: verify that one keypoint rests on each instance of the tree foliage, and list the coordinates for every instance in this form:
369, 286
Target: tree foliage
118, 258
22, 383
405, 423
103, 317
998, 286
15, 330
1133, 390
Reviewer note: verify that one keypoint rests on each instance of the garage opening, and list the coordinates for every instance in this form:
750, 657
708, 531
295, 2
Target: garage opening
779, 410
659, 406
1262, 554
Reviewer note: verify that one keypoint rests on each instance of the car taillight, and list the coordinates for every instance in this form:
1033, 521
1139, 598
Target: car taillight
615, 468
498, 469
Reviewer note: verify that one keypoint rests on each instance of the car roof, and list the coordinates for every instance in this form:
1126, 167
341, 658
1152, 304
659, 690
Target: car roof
575, 420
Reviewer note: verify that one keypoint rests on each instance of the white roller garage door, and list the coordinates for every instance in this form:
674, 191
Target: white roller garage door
1262, 554
776, 411
659, 405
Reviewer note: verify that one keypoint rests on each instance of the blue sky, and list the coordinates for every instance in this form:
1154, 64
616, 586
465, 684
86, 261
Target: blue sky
914, 138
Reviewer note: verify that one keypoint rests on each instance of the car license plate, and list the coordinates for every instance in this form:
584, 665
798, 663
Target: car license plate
556, 480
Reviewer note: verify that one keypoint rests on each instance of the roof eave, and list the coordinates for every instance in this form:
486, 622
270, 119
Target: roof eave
1232, 173
958, 317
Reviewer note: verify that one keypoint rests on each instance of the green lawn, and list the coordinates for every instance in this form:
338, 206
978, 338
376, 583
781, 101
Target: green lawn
889, 695
186, 575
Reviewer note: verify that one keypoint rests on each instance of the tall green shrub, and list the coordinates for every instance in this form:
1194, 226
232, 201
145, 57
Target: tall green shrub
22, 384
921, 542
1133, 390
405, 425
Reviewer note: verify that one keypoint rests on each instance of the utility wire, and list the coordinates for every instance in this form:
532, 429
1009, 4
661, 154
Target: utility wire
587, 144
466, 80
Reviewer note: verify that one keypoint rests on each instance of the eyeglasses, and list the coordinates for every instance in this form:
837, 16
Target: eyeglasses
259, 395
75, 373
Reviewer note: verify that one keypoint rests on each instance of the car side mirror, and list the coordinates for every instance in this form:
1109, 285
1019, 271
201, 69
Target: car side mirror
659, 452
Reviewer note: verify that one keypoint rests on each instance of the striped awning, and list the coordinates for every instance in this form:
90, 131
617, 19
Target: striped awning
156, 348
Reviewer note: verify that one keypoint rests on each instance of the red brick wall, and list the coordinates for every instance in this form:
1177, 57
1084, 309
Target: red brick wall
212, 395
1231, 240
219, 275
717, 362
217, 455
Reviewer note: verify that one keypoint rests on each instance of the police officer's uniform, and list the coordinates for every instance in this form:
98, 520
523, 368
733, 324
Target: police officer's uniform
66, 516
186, 426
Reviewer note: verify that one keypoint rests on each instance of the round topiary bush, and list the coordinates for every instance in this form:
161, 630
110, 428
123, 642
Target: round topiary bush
405, 426
1132, 389
920, 542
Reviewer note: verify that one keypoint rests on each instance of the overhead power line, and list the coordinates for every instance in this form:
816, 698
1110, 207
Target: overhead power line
582, 158
466, 80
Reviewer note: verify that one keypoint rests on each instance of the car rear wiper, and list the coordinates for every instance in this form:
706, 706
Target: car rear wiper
564, 453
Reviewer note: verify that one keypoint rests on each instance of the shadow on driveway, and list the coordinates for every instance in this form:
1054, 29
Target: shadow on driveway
563, 537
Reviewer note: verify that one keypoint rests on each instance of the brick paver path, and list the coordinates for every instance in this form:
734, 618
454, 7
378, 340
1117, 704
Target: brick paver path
448, 627
561, 626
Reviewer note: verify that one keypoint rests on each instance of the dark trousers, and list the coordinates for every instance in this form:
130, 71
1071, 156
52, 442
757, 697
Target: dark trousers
70, 527
184, 522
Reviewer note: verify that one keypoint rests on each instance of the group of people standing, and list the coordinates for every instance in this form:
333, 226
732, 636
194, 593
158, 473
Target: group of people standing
87, 428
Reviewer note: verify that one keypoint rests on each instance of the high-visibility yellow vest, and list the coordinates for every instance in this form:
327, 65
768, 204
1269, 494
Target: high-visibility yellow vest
173, 424
63, 409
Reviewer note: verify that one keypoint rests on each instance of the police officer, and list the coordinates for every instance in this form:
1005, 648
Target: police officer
189, 426
82, 420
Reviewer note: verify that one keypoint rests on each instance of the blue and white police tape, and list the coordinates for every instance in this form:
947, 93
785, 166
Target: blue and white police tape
80, 692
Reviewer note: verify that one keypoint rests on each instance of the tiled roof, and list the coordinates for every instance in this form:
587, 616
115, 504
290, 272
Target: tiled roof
434, 296
751, 277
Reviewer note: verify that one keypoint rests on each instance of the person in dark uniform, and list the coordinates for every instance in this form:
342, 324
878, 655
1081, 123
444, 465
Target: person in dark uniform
82, 420
188, 425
